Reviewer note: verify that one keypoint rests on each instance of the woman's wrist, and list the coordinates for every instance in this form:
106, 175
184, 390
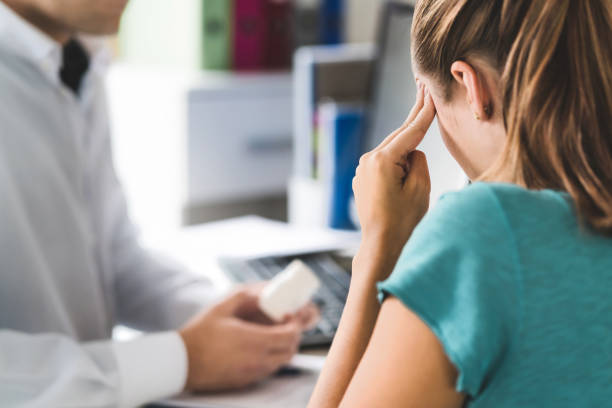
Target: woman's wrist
381, 247
375, 259
389, 239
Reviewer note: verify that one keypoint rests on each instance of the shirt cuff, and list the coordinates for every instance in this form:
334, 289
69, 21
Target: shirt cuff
151, 367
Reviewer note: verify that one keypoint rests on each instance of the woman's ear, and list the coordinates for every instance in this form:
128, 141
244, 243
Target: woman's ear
478, 95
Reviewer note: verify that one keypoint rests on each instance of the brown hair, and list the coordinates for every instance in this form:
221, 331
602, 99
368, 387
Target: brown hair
555, 62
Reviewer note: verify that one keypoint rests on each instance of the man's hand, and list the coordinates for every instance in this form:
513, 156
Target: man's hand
234, 344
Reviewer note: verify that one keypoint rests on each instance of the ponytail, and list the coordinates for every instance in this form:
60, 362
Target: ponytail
555, 60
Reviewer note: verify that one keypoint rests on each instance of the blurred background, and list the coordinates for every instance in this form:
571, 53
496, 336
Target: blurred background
222, 108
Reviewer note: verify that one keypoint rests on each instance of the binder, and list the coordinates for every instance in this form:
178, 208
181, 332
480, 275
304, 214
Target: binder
332, 21
249, 38
306, 25
216, 34
341, 128
279, 44
338, 73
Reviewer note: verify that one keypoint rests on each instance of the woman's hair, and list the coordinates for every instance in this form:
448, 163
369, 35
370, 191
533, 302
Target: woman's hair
555, 62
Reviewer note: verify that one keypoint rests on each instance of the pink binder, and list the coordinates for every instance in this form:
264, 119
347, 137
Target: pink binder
249, 34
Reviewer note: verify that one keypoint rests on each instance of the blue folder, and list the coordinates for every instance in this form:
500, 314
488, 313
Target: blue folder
344, 150
332, 21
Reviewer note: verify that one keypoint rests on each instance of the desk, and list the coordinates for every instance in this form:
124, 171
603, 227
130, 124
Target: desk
199, 247
282, 391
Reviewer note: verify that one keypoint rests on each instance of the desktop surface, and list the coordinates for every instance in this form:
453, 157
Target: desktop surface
289, 388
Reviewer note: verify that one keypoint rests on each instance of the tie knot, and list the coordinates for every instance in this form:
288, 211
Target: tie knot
75, 63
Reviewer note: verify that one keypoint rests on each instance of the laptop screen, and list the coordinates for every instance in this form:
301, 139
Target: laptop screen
393, 91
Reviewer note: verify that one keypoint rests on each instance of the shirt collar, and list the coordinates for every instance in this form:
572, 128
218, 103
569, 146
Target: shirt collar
27, 41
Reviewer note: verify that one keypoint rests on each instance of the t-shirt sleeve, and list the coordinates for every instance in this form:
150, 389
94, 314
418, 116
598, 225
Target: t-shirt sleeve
459, 274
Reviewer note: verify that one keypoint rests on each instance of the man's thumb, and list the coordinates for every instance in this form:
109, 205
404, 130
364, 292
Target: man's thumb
235, 299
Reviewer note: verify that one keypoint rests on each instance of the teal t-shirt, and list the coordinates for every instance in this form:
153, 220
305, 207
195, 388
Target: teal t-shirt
519, 294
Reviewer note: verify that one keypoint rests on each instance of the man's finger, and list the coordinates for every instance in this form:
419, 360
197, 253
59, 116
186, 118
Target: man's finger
308, 316
287, 349
413, 134
411, 116
256, 287
277, 360
281, 336
235, 300
273, 362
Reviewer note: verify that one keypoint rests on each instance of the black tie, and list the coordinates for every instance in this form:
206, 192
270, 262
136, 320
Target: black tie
75, 63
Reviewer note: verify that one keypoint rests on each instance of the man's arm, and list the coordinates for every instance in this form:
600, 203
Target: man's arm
149, 292
226, 346
49, 370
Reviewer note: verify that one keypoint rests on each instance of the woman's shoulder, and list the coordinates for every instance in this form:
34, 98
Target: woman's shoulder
500, 205
465, 228
474, 208
460, 273
486, 218
469, 220
470, 200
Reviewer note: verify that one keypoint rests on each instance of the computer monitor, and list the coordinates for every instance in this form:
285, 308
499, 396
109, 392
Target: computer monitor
393, 93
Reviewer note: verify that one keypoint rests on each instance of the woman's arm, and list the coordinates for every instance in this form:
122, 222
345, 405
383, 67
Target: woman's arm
392, 194
403, 366
383, 359
356, 325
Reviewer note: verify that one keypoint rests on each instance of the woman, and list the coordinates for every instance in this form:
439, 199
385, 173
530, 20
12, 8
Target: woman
501, 295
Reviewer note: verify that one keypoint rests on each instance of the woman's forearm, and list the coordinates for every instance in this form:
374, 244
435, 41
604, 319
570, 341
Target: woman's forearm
392, 189
347, 348
373, 261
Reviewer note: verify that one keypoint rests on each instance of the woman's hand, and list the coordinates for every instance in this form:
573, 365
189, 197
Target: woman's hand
392, 195
392, 183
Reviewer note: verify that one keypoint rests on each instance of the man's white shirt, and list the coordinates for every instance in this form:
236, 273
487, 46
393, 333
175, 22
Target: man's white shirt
71, 266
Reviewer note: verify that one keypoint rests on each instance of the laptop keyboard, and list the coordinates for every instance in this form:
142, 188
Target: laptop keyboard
330, 297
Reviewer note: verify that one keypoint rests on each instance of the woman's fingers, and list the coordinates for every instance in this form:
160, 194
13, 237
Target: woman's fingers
409, 138
411, 116
418, 183
418, 105
420, 170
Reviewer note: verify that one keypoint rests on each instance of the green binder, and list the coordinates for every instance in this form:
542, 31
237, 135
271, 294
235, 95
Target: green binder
216, 34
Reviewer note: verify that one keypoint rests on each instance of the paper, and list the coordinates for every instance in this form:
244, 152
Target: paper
199, 247
285, 391
255, 236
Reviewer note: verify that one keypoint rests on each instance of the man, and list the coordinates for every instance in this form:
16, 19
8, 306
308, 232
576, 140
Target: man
70, 263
